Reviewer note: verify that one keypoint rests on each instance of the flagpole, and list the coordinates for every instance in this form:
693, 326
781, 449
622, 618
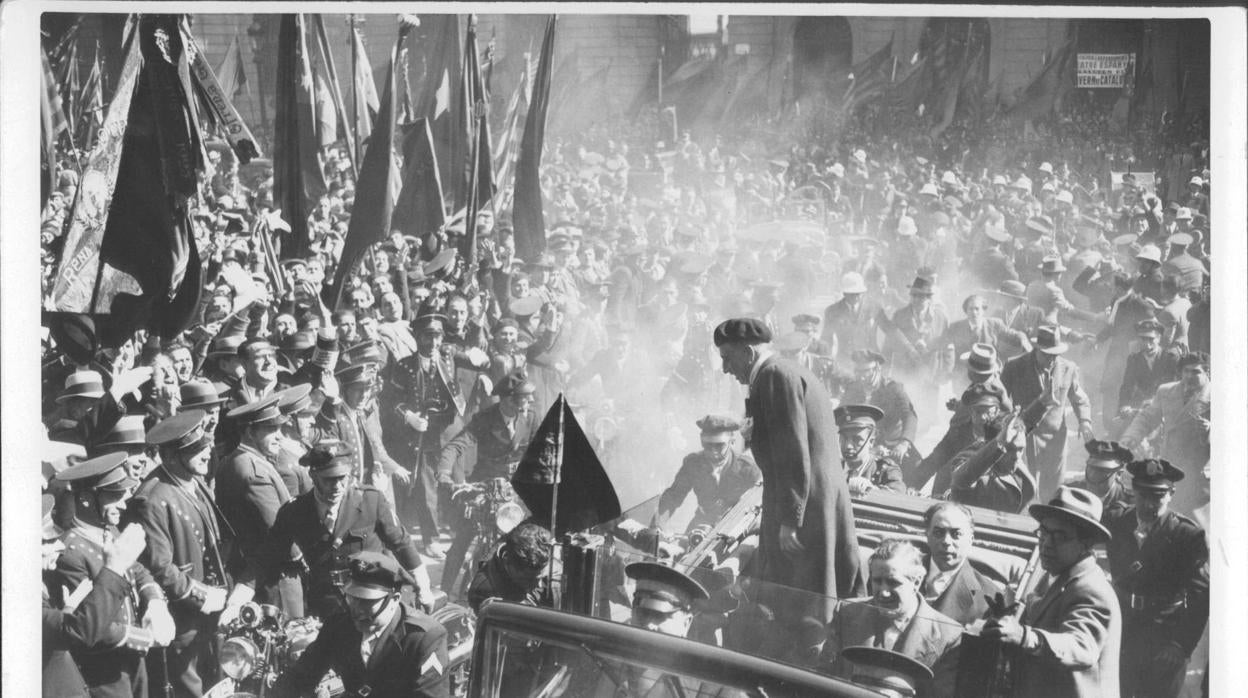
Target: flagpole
355, 83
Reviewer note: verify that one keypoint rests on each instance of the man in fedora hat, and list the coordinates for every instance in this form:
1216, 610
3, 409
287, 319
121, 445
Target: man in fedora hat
717, 475
1148, 281
1018, 315
853, 322
1070, 630
1177, 421
807, 538
978, 327
1102, 475
1159, 560
989, 264
1146, 370
915, 331
380, 646
1043, 384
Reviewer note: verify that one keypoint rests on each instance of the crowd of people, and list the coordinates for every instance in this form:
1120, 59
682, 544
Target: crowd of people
267, 447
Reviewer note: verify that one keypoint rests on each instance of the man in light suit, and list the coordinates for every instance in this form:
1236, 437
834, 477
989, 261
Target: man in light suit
1070, 631
1180, 414
953, 586
898, 618
1043, 385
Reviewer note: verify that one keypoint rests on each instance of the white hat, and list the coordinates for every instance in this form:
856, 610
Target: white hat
948, 177
1065, 197
837, 169
906, 226
1046, 168
929, 189
1000, 179
1048, 186
852, 282
1197, 181
860, 155
1183, 214
1150, 253
1022, 183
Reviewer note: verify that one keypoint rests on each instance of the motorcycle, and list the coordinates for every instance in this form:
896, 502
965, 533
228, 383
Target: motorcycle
258, 646
491, 509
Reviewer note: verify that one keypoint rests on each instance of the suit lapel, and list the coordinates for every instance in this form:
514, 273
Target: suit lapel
347, 513
387, 643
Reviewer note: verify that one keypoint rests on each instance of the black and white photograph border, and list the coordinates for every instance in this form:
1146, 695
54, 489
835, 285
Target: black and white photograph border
20, 283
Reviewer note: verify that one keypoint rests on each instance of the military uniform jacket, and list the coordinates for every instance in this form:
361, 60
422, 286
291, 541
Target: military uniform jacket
900, 420
881, 471
977, 481
715, 495
1080, 623
185, 550
435, 392
91, 624
498, 449
364, 523
408, 659
249, 491
360, 429
1168, 576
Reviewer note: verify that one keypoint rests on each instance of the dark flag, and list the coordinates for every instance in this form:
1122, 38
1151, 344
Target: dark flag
443, 52
374, 196
871, 77
147, 270
420, 209
1040, 97
474, 174
366, 101
508, 147
561, 458
298, 181
527, 218
91, 104
338, 107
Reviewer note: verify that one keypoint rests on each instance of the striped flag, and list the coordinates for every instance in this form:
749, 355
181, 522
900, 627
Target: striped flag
507, 150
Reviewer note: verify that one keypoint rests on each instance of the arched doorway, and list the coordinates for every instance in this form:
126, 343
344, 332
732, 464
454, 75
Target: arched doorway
821, 45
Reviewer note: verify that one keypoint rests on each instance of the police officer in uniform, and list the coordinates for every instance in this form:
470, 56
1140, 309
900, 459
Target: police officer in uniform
328, 525
101, 487
500, 434
380, 647
186, 552
717, 475
1159, 560
1102, 475
865, 468
93, 622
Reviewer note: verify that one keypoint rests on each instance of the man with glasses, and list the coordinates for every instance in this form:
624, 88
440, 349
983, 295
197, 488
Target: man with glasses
1070, 630
953, 586
1159, 560
500, 433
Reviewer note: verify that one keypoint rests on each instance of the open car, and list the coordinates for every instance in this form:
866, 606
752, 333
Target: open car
529, 652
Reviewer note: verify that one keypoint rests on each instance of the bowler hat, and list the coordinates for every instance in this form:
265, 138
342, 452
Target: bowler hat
1079, 505
743, 330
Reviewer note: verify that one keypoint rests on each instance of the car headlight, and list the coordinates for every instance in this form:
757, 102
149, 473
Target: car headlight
509, 516
238, 657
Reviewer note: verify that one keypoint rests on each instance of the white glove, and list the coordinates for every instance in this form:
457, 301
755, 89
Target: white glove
476, 356
415, 421
159, 622
239, 595
214, 600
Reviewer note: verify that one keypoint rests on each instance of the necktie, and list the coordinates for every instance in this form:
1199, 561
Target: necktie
366, 648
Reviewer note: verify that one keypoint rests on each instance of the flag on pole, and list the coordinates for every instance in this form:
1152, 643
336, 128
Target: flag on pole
298, 181
1040, 97
52, 123
561, 478
137, 187
473, 177
420, 208
341, 121
367, 103
443, 52
527, 216
374, 196
508, 147
67, 81
230, 73
91, 104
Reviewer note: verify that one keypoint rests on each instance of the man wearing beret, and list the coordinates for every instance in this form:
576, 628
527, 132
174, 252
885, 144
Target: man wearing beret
328, 525
380, 647
1070, 631
1177, 421
113, 666
250, 491
1102, 476
1159, 560
865, 468
807, 538
500, 434
186, 552
717, 475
